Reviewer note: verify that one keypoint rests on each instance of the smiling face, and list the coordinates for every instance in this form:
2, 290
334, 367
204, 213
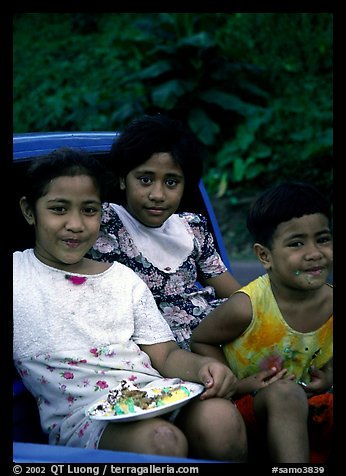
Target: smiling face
301, 255
66, 219
154, 189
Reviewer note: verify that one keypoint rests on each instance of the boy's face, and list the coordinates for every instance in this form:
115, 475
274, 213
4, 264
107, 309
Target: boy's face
302, 252
67, 220
154, 189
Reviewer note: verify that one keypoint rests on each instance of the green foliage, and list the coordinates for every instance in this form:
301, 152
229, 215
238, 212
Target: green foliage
256, 88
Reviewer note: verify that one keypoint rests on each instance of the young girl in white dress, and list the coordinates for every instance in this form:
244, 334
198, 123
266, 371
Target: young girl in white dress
82, 326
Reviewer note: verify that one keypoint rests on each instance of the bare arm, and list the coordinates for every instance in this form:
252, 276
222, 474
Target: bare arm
224, 284
224, 324
171, 361
208, 350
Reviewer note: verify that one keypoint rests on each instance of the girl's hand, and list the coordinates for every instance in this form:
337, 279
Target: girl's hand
218, 379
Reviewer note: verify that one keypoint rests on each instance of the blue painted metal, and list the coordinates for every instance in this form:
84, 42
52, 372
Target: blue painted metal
40, 453
215, 226
29, 145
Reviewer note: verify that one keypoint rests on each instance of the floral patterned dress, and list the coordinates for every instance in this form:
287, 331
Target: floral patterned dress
182, 301
75, 337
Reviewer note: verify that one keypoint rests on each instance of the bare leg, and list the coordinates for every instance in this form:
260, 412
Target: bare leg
282, 408
214, 429
152, 436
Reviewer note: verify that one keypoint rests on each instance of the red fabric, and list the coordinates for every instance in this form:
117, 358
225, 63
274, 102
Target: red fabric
321, 427
320, 424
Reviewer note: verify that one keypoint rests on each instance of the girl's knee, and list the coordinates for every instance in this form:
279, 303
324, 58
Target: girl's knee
152, 436
167, 439
228, 431
216, 430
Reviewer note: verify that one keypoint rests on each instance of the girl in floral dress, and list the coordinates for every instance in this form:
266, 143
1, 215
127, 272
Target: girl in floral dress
276, 332
156, 160
81, 327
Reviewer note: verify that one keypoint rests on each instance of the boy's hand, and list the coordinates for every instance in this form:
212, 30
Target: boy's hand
262, 379
218, 379
320, 382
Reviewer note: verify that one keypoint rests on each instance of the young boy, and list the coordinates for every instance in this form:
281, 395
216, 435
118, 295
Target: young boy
276, 333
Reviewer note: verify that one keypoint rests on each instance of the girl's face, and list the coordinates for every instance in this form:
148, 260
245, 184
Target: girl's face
67, 221
302, 252
154, 189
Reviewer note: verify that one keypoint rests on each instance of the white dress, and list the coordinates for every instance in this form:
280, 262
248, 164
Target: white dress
73, 342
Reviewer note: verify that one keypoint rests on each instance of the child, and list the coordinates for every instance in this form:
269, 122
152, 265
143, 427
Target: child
156, 160
82, 326
276, 332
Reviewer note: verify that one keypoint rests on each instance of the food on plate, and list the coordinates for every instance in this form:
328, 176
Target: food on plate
126, 398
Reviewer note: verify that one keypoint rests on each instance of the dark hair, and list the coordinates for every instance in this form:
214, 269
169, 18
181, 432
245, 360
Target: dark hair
281, 203
148, 135
64, 161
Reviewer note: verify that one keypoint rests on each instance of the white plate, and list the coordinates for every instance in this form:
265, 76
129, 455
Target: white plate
195, 389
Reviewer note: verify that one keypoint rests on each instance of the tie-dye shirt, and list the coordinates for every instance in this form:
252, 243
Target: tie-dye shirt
269, 341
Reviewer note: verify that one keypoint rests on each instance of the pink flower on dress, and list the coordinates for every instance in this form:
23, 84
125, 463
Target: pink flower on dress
71, 399
76, 362
75, 279
67, 375
104, 243
101, 384
82, 430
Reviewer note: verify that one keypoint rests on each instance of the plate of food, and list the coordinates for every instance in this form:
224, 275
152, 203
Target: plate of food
126, 402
